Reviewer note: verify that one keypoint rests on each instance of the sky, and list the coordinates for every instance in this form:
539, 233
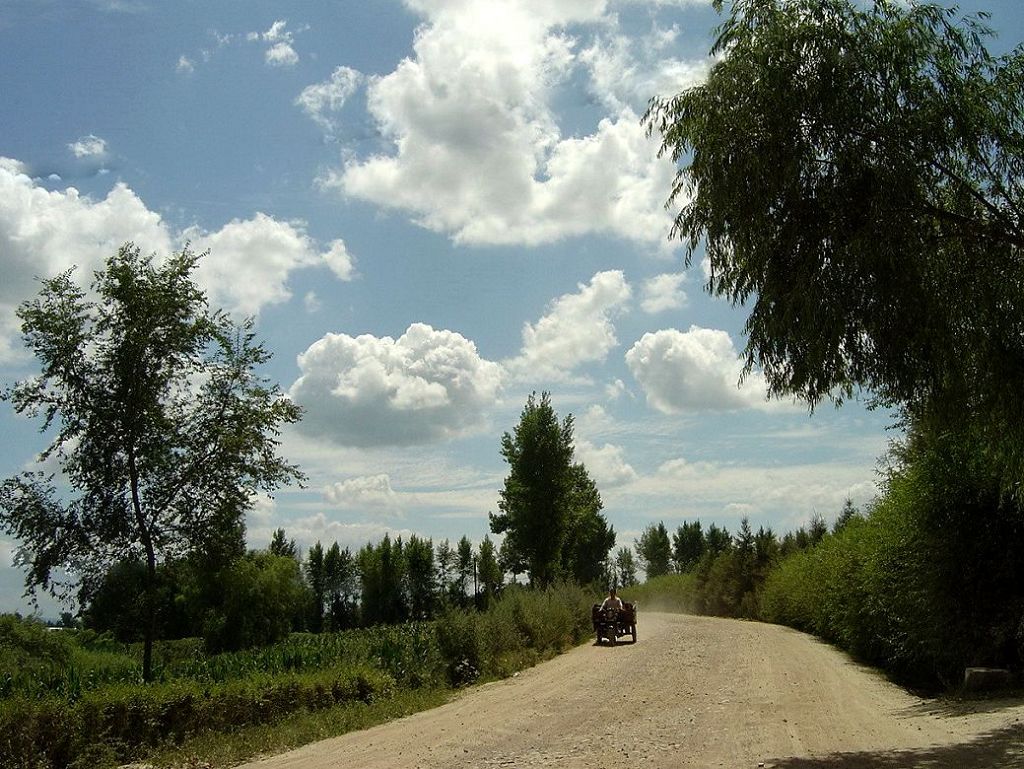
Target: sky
432, 208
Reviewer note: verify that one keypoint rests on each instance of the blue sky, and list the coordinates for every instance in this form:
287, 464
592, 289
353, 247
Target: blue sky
433, 208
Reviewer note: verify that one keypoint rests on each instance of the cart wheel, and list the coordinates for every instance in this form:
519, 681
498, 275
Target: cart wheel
633, 629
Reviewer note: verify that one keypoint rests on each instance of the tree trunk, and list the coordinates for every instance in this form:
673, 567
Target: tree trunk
150, 630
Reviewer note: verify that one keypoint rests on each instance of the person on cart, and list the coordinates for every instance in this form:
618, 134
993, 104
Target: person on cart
612, 601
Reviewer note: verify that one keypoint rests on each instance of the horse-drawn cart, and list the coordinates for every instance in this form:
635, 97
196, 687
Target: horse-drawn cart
611, 624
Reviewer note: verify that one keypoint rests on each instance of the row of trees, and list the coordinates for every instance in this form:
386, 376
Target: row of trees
257, 597
729, 569
690, 544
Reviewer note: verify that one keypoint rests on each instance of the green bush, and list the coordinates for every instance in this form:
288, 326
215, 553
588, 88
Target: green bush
459, 639
522, 623
931, 582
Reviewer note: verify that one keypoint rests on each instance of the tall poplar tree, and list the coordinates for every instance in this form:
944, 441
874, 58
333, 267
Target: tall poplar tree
534, 500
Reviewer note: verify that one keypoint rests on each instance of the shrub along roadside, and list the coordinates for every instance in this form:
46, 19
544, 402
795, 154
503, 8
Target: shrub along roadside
224, 749
931, 581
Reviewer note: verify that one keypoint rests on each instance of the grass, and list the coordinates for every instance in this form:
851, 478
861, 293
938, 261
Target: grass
218, 749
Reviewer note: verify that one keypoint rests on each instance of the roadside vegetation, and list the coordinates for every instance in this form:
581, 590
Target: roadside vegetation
72, 698
927, 581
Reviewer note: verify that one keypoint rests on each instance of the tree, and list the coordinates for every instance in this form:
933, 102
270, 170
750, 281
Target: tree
281, 545
510, 559
817, 529
625, 567
341, 585
464, 569
263, 599
316, 577
766, 549
115, 604
489, 571
534, 500
160, 423
847, 514
746, 559
654, 550
717, 541
445, 565
420, 581
585, 553
855, 173
382, 572
687, 546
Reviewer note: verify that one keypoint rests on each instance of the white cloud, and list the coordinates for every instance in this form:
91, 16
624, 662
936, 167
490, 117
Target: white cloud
615, 390
12, 166
371, 493
680, 468
263, 510
788, 493
423, 387
476, 149
277, 32
577, 329
705, 268
696, 370
311, 302
250, 261
90, 146
498, 11
185, 64
121, 6
339, 260
45, 232
281, 55
319, 528
606, 464
321, 100
626, 72
664, 292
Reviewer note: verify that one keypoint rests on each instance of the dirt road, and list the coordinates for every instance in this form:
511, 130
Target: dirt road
693, 692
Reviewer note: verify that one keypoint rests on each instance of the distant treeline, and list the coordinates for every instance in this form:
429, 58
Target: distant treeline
241, 599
